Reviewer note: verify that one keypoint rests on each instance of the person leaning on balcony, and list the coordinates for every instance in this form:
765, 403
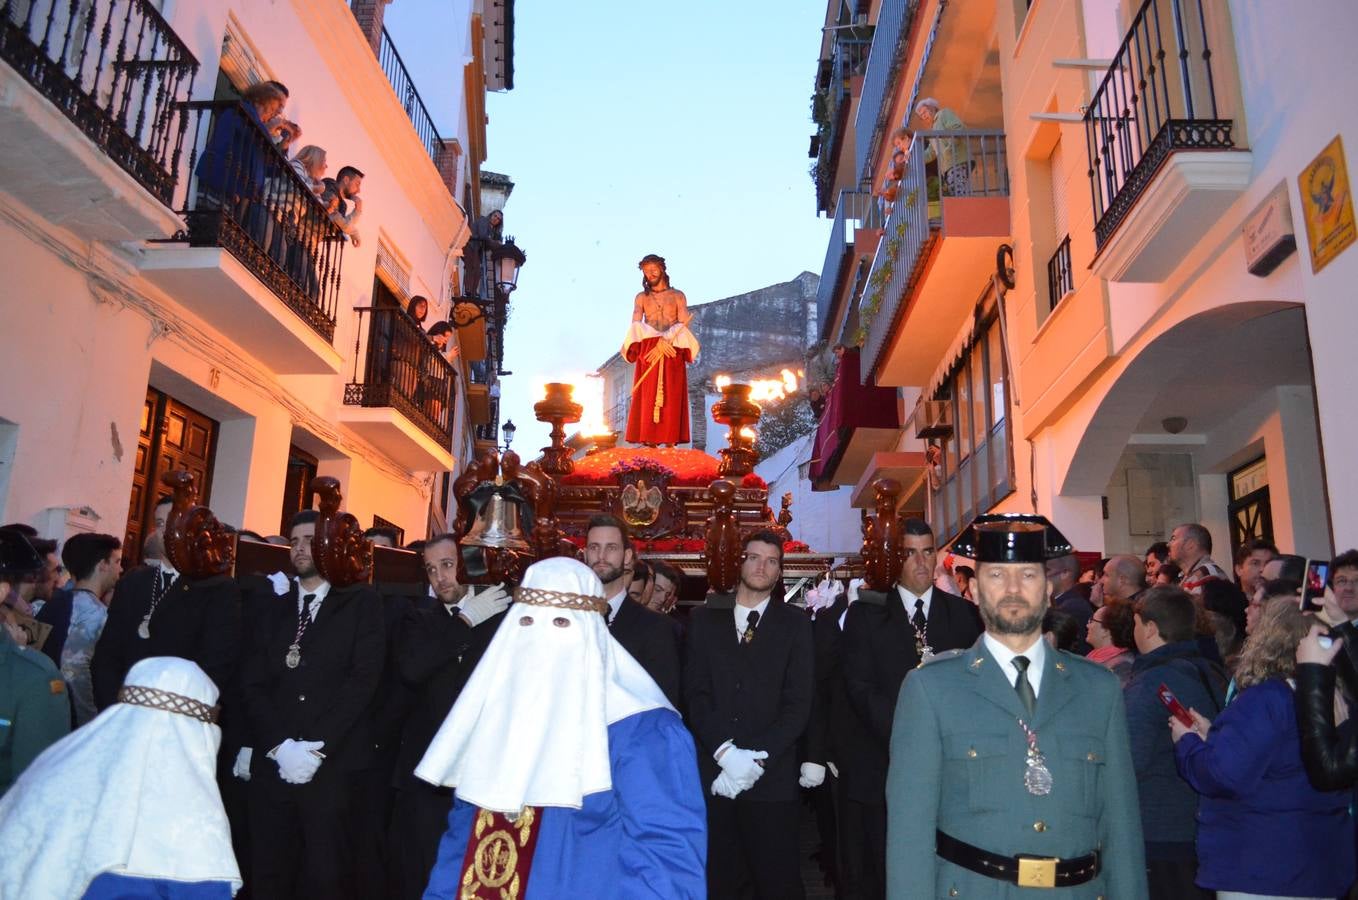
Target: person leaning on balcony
284, 131
232, 170
345, 187
951, 154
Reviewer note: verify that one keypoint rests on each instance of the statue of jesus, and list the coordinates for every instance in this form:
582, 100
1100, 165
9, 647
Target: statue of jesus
660, 345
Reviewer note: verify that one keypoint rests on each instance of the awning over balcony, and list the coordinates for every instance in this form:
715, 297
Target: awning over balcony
858, 421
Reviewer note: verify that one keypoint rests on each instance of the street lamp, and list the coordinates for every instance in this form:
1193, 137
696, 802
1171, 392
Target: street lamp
508, 429
507, 259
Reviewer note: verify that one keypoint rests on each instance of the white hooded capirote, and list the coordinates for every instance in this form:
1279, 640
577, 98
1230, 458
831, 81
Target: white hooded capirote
530, 727
133, 792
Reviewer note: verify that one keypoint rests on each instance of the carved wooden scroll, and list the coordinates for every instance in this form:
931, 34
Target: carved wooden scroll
723, 538
342, 554
882, 537
195, 542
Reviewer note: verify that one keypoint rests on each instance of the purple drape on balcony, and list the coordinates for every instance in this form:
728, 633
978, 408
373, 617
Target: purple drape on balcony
850, 405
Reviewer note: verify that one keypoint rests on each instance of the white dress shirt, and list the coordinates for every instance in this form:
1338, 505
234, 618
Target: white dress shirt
743, 615
1037, 658
321, 593
615, 604
909, 599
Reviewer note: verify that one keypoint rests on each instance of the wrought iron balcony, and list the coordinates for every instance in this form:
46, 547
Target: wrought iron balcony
879, 79
115, 69
1158, 97
833, 96
856, 209
402, 370
955, 187
245, 197
1060, 275
404, 86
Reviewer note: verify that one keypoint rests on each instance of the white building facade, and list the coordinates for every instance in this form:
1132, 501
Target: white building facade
154, 319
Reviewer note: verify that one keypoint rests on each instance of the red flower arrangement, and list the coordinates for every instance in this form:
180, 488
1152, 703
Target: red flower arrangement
686, 468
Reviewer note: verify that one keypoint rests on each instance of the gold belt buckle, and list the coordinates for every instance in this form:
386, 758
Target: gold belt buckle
1038, 872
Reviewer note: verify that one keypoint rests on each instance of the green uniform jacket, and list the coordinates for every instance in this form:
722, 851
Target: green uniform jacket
957, 764
34, 710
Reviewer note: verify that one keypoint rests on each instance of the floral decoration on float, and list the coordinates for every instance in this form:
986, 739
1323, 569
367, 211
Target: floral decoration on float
685, 467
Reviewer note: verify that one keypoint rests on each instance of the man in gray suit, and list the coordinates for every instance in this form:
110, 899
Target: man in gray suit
1010, 766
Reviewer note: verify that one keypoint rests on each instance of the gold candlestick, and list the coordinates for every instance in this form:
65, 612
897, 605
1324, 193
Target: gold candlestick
558, 409
737, 411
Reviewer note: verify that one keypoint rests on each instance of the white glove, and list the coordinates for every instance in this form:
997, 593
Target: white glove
297, 763
280, 583
812, 775
741, 765
477, 608
242, 767
724, 787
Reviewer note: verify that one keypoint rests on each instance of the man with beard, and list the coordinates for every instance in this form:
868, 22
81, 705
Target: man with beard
1010, 761
886, 637
661, 345
748, 684
436, 651
648, 636
309, 680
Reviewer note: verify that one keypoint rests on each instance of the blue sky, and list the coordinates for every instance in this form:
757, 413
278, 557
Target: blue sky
678, 128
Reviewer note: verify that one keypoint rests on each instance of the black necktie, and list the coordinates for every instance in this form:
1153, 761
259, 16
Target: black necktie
1023, 687
918, 618
748, 635
166, 579
305, 620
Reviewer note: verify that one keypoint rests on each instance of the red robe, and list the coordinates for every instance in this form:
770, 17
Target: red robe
659, 406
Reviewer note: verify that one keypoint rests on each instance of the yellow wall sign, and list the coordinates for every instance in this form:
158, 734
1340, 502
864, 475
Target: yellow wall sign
1327, 200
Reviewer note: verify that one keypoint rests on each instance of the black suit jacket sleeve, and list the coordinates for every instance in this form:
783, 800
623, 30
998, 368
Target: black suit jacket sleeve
794, 709
261, 713
825, 640
427, 640
109, 665
874, 706
219, 654
700, 688
360, 682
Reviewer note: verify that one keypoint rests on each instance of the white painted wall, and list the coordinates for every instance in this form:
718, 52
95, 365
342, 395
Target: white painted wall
823, 520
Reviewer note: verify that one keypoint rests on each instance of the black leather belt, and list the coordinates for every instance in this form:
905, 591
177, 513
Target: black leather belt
1024, 871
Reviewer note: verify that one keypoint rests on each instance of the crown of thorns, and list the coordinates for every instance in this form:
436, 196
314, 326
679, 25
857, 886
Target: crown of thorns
154, 698
530, 596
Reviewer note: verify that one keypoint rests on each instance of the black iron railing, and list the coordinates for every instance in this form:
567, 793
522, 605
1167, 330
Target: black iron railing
1060, 275
490, 431
1157, 97
404, 86
402, 370
855, 209
245, 197
879, 78
115, 68
848, 61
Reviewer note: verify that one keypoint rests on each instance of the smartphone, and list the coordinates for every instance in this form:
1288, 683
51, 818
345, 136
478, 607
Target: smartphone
1177, 709
1313, 586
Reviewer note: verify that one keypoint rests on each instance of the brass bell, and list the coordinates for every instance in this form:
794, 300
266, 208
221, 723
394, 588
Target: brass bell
497, 526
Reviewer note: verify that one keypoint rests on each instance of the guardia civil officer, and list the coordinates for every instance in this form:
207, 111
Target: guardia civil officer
1010, 766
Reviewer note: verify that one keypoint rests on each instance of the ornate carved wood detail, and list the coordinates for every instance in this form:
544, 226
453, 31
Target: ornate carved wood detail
646, 503
883, 534
723, 538
195, 542
484, 468
343, 555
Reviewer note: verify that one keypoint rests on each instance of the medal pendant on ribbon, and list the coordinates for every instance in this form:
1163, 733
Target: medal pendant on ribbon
1037, 778
294, 657
144, 629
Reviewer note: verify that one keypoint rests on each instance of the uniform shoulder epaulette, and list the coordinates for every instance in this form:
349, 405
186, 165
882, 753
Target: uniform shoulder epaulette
39, 661
1075, 660
946, 654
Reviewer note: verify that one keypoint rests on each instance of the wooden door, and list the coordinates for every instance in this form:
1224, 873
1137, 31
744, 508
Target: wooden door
172, 436
297, 494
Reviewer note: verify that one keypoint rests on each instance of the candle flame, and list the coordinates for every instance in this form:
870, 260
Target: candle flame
723, 381
771, 390
588, 391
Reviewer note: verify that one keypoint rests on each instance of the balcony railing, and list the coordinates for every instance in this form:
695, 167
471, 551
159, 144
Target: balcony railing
402, 370
245, 197
116, 69
1157, 97
404, 86
849, 61
1060, 275
968, 163
855, 209
884, 63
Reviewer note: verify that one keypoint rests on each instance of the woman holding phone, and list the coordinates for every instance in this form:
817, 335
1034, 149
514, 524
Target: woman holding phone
1263, 829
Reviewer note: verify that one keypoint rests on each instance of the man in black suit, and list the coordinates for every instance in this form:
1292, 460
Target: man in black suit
886, 636
436, 650
649, 637
1070, 595
749, 692
308, 680
156, 611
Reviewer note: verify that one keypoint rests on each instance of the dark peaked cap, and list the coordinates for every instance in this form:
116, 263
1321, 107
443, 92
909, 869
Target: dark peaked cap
1011, 538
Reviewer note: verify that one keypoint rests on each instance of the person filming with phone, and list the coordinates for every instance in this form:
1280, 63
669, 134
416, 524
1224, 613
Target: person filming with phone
1263, 829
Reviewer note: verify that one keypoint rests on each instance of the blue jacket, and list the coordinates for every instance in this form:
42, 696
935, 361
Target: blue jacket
1168, 804
1262, 828
644, 838
233, 162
